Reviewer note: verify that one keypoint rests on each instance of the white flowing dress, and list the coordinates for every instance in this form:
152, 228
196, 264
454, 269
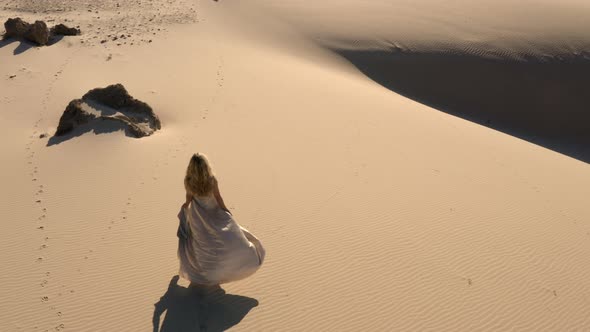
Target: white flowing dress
213, 248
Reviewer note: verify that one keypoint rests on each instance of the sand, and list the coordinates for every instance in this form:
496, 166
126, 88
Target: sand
407, 166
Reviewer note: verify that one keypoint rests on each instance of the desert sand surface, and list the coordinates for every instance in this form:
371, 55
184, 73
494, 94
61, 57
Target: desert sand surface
407, 166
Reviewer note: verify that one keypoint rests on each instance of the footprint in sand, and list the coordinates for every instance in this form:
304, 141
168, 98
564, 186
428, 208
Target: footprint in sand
220, 77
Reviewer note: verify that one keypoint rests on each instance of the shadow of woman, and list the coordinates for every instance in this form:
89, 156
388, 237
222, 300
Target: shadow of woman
193, 309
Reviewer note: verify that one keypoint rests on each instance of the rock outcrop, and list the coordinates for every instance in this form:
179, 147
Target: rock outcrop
113, 104
36, 32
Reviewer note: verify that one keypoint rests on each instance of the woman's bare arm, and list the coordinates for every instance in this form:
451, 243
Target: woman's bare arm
188, 199
218, 197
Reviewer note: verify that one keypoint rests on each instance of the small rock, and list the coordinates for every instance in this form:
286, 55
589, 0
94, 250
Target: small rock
38, 33
15, 28
64, 30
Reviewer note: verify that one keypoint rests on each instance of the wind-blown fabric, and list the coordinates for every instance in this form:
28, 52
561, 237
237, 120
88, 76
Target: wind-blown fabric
213, 248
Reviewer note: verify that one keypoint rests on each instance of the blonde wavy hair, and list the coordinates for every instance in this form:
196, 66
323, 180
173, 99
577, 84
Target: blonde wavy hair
199, 179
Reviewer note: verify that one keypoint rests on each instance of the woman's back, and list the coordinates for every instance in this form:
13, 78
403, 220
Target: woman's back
217, 249
213, 248
208, 201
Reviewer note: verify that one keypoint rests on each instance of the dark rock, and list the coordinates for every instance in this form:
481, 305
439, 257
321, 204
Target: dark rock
72, 117
64, 30
38, 33
112, 103
15, 28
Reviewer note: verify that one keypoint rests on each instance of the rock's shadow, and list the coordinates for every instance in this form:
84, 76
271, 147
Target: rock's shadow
26, 45
55, 39
191, 309
21, 48
98, 127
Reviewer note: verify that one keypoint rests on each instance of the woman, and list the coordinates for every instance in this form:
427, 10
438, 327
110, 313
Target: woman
213, 248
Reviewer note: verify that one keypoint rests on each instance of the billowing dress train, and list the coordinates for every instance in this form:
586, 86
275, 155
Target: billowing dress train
213, 248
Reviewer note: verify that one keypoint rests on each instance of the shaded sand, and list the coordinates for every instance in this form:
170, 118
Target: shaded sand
377, 212
544, 101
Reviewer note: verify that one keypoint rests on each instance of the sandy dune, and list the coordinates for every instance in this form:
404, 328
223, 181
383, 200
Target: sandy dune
379, 209
516, 67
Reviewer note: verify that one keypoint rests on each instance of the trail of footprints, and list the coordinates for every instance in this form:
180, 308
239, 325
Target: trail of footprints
115, 220
171, 153
159, 166
220, 77
39, 192
40, 224
219, 80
